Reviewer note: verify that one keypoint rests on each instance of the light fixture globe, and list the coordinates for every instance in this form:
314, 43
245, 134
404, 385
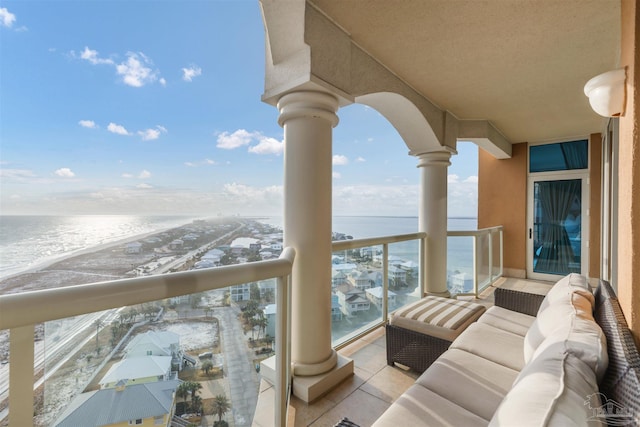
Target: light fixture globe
606, 93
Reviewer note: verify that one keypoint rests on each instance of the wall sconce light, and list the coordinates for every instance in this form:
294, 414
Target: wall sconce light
606, 93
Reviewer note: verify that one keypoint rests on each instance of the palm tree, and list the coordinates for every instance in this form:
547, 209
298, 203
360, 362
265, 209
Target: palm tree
194, 387
221, 406
262, 325
183, 391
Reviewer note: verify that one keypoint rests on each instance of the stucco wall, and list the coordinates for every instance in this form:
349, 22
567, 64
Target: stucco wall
502, 200
629, 176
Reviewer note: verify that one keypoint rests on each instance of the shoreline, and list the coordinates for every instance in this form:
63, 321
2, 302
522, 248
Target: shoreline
106, 261
43, 265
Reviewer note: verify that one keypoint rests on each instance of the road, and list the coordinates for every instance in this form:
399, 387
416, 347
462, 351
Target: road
238, 366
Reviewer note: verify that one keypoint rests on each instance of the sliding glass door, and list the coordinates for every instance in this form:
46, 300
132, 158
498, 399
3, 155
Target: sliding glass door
556, 232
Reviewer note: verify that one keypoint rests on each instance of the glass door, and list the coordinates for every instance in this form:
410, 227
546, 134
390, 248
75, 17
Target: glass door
557, 243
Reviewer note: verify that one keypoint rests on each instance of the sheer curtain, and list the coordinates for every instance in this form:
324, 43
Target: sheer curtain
556, 199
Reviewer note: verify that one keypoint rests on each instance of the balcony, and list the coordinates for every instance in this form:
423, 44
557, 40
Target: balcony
371, 267
374, 385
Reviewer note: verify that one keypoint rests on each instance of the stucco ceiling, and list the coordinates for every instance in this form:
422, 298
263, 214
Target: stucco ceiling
522, 64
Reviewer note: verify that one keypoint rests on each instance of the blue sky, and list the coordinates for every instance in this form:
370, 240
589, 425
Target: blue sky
153, 107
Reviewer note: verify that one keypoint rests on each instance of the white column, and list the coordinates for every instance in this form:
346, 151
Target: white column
433, 219
308, 119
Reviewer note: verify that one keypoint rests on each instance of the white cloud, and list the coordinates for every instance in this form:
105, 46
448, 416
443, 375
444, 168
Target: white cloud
6, 18
162, 81
472, 179
267, 145
340, 160
151, 134
361, 160
237, 139
127, 175
65, 173
203, 162
189, 73
144, 174
87, 124
136, 71
144, 186
261, 144
92, 56
336, 175
452, 178
118, 129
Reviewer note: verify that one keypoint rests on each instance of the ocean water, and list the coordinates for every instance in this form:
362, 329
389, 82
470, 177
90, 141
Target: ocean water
28, 241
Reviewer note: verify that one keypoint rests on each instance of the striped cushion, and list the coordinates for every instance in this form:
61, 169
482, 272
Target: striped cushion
438, 317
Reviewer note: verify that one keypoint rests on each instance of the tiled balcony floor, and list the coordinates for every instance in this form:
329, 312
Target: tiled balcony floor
374, 386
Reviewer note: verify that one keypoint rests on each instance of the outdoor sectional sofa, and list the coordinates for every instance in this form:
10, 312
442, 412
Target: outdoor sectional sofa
564, 359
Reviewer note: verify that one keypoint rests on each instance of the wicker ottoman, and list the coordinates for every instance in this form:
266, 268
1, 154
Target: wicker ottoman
420, 332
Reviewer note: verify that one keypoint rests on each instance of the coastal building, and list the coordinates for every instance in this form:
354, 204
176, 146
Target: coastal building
176, 245
149, 404
352, 300
336, 308
363, 280
156, 343
397, 277
376, 297
270, 314
267, 289
241, 292
133, 248
138, 370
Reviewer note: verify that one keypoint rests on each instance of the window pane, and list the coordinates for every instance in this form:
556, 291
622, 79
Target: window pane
559, 157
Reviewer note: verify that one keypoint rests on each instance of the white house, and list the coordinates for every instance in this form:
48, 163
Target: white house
133, 248
138, 370
241, 292
375, 296
176, 244
270, 314
352, 299
156, 343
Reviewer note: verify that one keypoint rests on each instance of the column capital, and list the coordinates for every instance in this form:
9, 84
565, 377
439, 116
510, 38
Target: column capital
311, 104
435, 158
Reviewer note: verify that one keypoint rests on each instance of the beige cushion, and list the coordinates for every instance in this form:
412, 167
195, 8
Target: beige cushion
584, 339
438, 317
497, 345
471, 382
558, 314
550, 391
562, 290
419, 406
510, 321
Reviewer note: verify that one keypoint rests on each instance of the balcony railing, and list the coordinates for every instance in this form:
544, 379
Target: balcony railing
372, 277
21, 312
469, 276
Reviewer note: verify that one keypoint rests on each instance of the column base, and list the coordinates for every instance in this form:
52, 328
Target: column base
311, 388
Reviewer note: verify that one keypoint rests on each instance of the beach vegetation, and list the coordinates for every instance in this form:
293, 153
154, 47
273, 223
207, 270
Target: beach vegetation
207, 367
221, 406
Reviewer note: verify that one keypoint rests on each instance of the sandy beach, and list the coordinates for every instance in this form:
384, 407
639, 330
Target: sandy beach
105, 262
